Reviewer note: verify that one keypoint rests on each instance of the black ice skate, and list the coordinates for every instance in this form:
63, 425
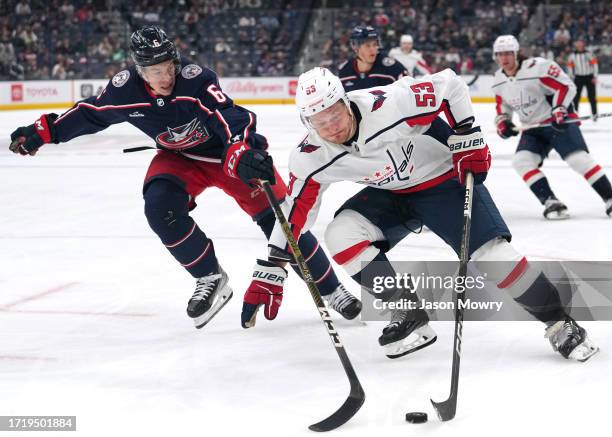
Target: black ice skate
570, 340
342, 301
407, 332
609, 207
211, 294
554, 209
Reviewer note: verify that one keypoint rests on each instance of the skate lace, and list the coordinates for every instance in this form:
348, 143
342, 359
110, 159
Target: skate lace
398, 317
339, 299
205, 286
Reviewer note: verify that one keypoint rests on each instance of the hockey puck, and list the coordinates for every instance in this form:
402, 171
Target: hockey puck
416, 417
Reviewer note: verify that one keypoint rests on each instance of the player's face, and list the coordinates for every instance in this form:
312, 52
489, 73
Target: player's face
406, 46
506, 60
161, 77
333, 124
367, 51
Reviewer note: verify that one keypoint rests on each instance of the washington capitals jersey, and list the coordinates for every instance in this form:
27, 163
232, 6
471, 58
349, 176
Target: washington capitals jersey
538, 86
197, 120
395, 146
385, 71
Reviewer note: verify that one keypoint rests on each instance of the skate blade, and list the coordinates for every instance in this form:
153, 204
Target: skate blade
220, 302
583, 351
425, 337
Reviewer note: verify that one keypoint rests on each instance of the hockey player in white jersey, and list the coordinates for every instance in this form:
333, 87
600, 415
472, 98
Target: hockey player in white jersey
540, 92
413, 164
411, 59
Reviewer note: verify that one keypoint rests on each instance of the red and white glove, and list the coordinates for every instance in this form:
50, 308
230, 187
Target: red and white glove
266, 289
244, 163
559, 114
470, 153
26, 140
505, 127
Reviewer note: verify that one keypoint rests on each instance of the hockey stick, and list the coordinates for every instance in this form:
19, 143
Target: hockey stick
473, 80
356, 397
446, 409
568, 121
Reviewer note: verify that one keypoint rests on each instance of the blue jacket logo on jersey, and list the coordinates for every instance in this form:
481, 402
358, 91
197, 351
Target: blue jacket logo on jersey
183, 137
379, 98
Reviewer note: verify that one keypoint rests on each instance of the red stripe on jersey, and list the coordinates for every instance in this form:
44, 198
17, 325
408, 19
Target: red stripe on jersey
498, 104
302, 206
424, 119
530, 174
449, 116
99, 108
427, 184
224, 123
592, 171
515, 274
557, 86
424, 66
192, 99
348, 254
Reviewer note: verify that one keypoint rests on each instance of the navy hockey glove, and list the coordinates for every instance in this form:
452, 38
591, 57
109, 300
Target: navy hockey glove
26, 140
505, 127
266, 289
246, 164
559, 114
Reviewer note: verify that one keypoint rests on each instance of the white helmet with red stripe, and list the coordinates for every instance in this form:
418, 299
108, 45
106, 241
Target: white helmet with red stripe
505, 43
317, 90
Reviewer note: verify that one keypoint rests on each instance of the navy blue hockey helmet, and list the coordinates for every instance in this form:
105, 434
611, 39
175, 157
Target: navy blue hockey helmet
361, 34
150, 46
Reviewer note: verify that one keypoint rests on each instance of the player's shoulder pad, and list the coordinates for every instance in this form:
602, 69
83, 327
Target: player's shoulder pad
123, 77
120, 88
310, 155
191, 71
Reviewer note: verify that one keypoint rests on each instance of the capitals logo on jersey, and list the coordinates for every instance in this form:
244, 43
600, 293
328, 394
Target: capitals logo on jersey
183, 137
307, 148
379, 99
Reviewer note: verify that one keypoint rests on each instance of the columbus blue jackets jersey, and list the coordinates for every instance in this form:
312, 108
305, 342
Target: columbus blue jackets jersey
385, 71
197, 120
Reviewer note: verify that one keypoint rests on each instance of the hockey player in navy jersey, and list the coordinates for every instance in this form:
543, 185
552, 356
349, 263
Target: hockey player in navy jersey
368, 67
412, 163
204, 140
540, 92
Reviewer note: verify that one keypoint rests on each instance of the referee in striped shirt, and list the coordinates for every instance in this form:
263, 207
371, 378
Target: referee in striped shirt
583, 69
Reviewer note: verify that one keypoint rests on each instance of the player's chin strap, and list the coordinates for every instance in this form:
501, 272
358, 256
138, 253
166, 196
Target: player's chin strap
525, 127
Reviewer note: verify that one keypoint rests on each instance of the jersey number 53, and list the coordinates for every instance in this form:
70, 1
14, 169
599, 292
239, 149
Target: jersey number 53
423, 94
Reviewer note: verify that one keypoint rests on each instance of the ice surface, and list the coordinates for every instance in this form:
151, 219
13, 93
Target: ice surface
93, 323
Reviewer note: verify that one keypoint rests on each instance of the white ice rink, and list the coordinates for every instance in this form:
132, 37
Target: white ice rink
93, 323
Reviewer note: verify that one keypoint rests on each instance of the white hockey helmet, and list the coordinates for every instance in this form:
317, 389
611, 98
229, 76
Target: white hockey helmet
317, 90
505, 43
406, 38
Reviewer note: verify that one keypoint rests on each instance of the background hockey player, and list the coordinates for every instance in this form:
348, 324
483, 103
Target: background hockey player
411, 59
413, 163
539, 92
205, 141
368, 67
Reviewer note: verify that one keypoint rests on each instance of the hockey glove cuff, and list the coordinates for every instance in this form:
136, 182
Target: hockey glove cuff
266, 289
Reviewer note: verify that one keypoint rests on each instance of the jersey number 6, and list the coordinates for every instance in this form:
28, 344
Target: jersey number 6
216, 93
423, 94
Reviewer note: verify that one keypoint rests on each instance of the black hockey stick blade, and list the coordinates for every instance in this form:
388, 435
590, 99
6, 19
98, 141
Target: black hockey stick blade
446, 409
348, 409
